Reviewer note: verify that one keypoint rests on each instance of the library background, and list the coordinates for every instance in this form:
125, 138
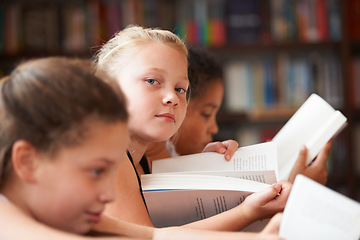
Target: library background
275, 53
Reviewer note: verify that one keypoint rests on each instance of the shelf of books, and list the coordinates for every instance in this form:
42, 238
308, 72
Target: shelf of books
73, 27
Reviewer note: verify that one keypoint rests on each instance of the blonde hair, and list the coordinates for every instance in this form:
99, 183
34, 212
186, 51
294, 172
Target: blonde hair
116, 51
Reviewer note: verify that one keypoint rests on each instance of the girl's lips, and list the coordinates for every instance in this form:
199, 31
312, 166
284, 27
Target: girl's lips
93, 217
167, 116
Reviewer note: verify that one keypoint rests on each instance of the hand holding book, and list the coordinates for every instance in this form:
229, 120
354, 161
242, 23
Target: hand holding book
313, 125
266, 203
316, 170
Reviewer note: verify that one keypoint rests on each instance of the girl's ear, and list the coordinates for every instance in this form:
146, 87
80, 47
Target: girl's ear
24, 157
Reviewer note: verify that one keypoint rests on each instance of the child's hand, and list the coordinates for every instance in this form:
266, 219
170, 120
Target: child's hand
316, 170
266, 203
227, 148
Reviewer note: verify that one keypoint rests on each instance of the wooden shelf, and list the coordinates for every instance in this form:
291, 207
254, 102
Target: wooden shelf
37, 54
275, 47
257, 115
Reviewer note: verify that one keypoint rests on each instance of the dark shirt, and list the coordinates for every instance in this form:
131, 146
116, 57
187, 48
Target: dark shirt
137, 175
145, 165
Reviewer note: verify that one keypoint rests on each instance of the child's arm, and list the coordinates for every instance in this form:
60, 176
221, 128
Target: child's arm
15, 225
257, 206
174, 233
316, 170
227, 148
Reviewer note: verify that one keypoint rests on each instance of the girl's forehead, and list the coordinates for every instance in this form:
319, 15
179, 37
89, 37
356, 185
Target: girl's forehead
162, 45
158, 56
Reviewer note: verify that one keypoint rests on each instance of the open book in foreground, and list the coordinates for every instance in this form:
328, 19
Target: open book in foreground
312, 125
193, 187
177, 199
314, 211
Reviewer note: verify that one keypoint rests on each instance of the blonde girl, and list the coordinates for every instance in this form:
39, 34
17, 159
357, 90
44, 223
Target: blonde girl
150, 65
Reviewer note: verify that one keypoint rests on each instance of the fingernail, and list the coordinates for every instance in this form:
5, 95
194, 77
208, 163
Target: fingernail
276, 186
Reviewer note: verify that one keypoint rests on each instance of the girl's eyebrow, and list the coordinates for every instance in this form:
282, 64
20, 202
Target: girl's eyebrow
210, 105
105, 160
155, 69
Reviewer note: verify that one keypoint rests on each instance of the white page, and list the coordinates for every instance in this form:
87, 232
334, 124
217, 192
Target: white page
256, 157
314, 211
264, 176
313, 124
165, 181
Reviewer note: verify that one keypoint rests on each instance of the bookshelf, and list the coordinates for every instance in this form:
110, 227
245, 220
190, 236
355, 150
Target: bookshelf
266, 35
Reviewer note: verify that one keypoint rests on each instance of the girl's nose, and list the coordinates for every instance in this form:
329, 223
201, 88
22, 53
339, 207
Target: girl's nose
170, 98
213, 128
107, 194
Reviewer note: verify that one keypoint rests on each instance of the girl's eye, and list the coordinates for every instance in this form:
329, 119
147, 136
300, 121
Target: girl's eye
205, 115
152, 81
97, 171
180, 90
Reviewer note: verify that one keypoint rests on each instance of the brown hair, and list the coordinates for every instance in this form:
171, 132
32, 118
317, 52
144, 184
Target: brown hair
50, 103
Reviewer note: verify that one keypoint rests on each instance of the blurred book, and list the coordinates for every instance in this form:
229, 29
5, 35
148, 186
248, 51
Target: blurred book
314, 211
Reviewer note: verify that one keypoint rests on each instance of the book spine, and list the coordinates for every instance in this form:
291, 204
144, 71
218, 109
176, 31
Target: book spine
13, 29
333, 9
243, 18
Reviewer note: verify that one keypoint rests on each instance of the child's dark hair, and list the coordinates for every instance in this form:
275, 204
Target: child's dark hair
51, 103
203, 69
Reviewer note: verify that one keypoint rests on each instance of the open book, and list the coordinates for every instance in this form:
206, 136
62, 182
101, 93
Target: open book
256, 162
314, 211
313, 124
193, 187
177, 199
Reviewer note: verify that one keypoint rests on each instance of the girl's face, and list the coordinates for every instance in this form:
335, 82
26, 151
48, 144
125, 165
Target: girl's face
200, 124
155, 82
72, 189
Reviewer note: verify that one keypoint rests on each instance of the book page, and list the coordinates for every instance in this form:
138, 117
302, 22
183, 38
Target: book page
265, 176
314, 211
313, 124
166, 181
256, 157
174, 208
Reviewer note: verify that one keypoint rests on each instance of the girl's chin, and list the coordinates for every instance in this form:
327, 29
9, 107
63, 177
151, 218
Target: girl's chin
83, 230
